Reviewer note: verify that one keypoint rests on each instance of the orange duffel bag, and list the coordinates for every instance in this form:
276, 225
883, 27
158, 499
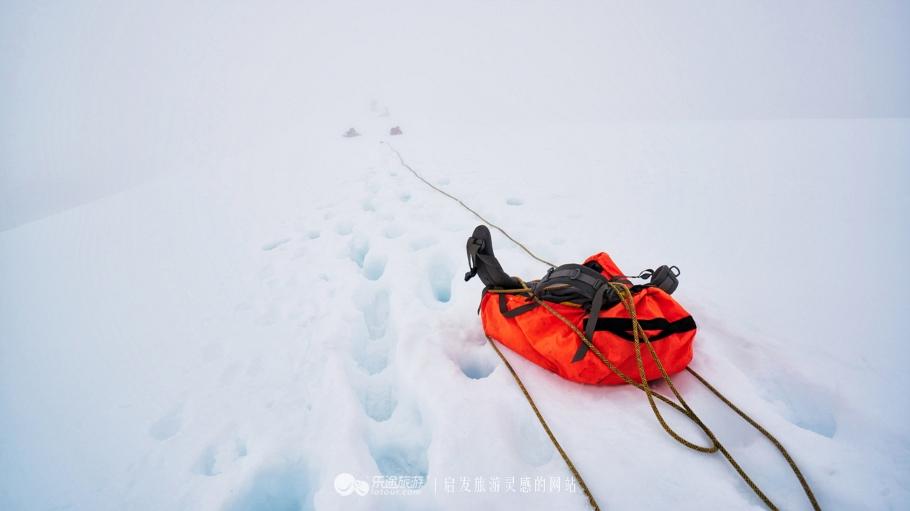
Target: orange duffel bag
542, 319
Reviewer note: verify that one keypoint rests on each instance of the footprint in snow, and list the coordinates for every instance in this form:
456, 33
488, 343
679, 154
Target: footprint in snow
476, 361
358, 248
477, 368
804, 403
372, 342
368, 204
374, 266
393, 231
531, 442
215, 458
371, 355
272, 245
286, 486
378, 396
514, 201
344, 227
375, 311
439, 275
399, 447
168, 425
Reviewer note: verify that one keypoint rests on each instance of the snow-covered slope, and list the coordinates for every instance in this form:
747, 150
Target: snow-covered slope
211, 300
238, 338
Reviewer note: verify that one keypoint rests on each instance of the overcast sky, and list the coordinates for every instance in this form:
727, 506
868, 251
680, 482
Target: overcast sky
96, 96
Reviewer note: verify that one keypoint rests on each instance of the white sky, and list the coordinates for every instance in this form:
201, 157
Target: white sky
98, 95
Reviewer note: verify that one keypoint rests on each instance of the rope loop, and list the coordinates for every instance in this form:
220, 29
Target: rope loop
639, 337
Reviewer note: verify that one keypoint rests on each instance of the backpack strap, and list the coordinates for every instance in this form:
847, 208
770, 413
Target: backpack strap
572, 283
596, 306
517, 311
581, 285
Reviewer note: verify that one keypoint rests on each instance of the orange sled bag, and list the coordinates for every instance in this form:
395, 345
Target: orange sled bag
581, 294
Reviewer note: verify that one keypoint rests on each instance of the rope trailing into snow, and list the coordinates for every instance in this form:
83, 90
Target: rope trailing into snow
546, 427
465, 206
639, 336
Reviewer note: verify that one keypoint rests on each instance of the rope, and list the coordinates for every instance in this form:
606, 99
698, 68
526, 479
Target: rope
546, 427
639, 336
465, 206
774, 441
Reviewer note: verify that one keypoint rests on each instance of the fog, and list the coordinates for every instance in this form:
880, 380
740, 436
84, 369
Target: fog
98, 96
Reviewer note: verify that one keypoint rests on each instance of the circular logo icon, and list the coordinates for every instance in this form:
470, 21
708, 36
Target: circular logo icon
346, 484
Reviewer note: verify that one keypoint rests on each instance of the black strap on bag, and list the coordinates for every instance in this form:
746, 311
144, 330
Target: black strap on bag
596, 307
517, 311
583, 286
662, 327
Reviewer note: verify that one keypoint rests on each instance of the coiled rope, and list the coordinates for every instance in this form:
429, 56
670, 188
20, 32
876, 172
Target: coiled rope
639, 337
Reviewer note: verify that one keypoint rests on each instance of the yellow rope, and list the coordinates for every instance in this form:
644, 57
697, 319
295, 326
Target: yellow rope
639, 336
546, 427
465, 206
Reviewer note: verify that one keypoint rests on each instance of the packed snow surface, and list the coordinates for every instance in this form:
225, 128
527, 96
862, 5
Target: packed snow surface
238, 308
236, 341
